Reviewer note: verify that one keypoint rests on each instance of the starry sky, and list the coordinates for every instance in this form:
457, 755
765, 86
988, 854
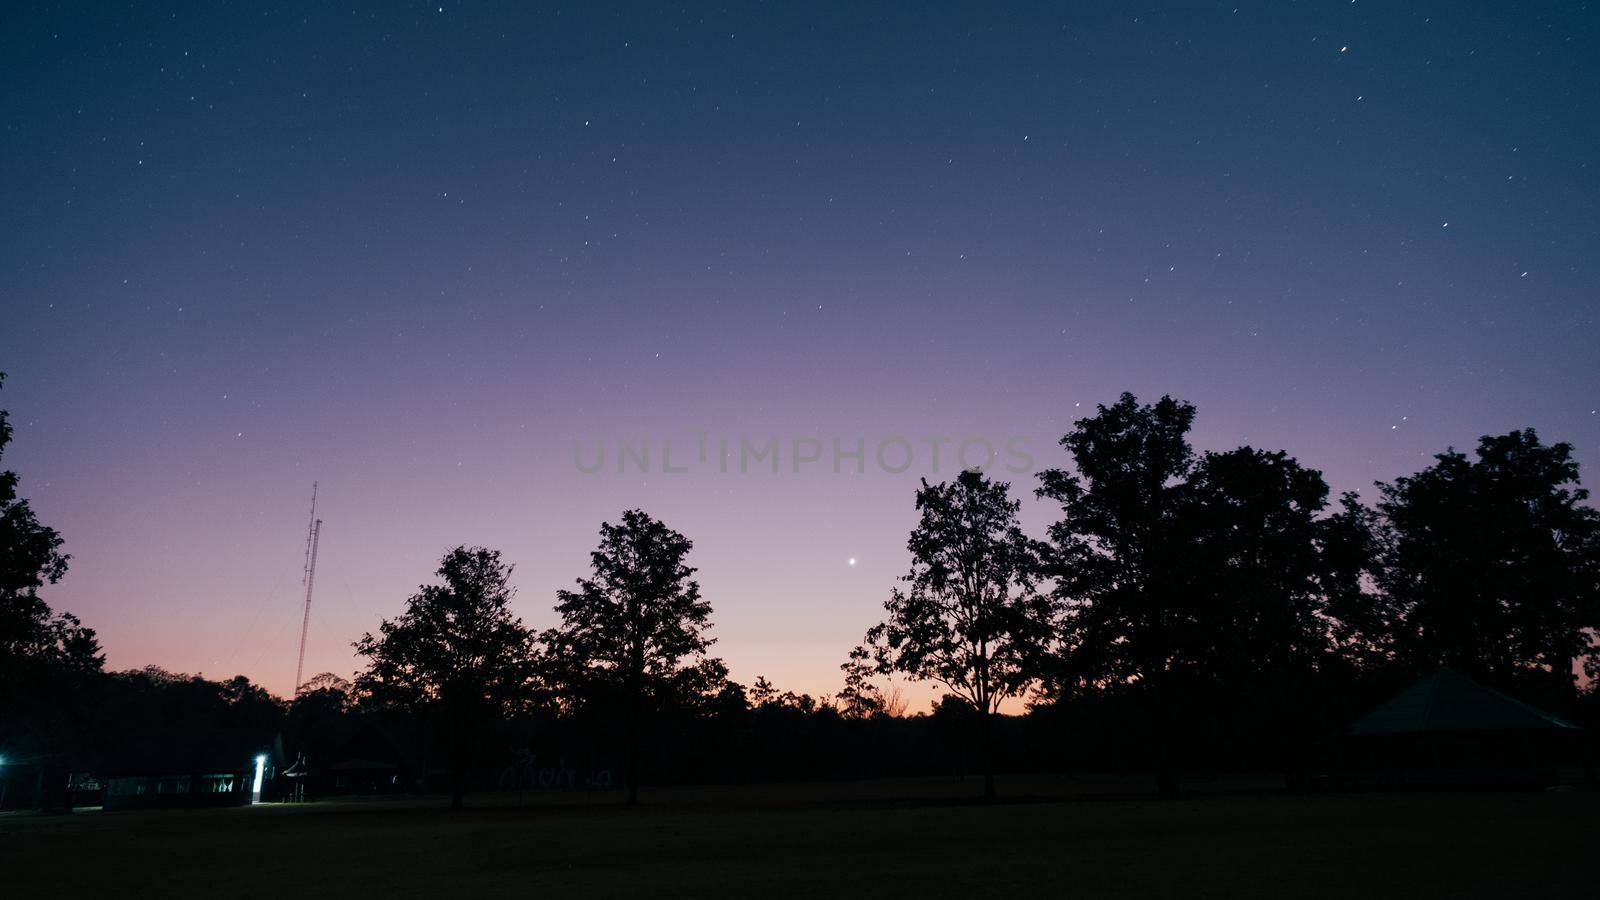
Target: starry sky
414, 251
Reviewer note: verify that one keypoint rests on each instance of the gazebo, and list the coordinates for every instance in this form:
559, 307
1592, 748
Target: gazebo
1448, 730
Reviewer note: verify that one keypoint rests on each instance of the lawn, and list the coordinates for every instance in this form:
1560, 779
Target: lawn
879, 839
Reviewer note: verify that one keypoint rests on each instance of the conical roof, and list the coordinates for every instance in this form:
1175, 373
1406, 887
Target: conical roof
1449, 701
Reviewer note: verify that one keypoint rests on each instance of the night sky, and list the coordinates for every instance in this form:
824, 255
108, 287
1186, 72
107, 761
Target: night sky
414, 251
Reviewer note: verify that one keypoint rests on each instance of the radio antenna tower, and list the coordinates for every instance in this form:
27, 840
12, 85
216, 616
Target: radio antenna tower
308, 577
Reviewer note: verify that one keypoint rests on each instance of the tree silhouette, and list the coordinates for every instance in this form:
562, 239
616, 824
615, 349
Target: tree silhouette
969, 618
762, 692
30, 557
634, 622
859, 698
1118, 559
329, 691
457, 655
48, 660
1248, 522
1363, 621
1492, 565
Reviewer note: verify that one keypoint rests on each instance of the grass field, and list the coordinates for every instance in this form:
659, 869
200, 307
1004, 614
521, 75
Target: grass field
911, 839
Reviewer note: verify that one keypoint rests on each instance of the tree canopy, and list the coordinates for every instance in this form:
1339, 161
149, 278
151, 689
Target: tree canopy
30, 558
1249, 526
1115, 553
1491, 565
457, 653
48, 659
636, 625
1178, 576
969, 617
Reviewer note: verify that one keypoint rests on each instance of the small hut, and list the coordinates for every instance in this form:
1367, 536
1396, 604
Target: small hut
1450, 731
376, 759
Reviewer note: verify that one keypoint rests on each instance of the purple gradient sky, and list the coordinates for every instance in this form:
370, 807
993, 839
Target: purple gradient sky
413, 251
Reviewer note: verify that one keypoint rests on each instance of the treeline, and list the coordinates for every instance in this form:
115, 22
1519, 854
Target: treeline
1185, 611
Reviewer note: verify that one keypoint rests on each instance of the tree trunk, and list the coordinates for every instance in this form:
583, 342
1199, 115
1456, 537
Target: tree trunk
633, 760
1166, 769
51, 792
1291, 734
633, 742
458, 789
1159, 670
455, 733
986, 748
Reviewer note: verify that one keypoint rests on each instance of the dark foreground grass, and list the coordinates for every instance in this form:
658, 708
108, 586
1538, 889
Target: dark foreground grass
826, 841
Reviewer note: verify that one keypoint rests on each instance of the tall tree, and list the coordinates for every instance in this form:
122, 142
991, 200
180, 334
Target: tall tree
1118, 559
1249, 527
457, 656
47, 659
969, 617
1492, 564
636, 624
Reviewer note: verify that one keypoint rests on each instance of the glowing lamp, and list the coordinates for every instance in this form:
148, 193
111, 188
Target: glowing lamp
261, 771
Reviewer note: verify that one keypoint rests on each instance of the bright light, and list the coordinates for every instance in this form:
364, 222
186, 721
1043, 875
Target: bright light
852, 560
261, 771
